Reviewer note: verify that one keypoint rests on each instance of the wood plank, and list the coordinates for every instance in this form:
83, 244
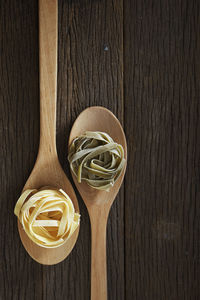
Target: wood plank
90, 73
21, 277
162, 90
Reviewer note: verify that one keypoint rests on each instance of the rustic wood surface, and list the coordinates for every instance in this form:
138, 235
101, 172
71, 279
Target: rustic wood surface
141, 60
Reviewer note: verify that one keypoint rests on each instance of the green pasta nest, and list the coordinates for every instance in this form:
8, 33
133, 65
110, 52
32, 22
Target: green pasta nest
95, 158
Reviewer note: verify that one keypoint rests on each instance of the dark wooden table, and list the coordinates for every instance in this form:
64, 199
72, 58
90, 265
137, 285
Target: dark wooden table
140, 59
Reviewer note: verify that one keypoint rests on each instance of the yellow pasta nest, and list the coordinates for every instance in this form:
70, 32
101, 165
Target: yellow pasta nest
47, 216
95, 158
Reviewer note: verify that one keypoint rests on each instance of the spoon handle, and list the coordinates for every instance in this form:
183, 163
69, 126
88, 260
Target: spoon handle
48, 36
98, 220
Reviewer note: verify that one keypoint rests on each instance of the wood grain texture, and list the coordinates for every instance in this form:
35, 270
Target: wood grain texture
153, 232
19, 133
90, 70
162, 93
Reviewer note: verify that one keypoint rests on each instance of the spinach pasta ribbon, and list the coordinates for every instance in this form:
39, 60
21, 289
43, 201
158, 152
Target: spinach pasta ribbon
95, 158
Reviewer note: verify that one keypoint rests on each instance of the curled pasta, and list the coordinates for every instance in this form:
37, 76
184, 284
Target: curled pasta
95, 158
47, 216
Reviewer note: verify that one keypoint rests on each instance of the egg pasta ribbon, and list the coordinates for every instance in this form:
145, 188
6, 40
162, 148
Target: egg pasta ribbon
47, 216
95, 158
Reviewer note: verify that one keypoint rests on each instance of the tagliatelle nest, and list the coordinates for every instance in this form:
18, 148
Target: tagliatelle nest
47, 216
95, 158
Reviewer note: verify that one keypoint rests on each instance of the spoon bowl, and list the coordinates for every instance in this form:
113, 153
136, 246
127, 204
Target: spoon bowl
98, 202
47, 170
98, 118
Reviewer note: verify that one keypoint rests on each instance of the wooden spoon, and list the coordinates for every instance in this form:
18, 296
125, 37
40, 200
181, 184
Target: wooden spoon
98, 203
47, 170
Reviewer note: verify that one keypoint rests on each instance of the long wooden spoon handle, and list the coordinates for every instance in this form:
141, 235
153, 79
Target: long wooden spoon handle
98, 221
48, 36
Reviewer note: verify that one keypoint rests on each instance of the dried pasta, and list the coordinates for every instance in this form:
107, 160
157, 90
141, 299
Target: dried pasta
47, 216
95, 158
